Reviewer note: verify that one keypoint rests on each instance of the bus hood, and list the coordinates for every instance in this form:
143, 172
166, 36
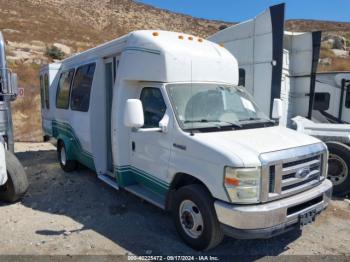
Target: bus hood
248, 144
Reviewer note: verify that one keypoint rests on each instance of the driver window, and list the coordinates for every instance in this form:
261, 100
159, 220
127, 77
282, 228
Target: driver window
153, 106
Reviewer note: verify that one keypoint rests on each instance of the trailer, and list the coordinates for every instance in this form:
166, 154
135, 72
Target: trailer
159, 114
13, 180
274, 63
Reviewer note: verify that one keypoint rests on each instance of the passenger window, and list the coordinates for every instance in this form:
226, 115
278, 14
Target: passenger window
42, 93
80, 98
321, 101
46, 87
63, 89
241, 79
153, 106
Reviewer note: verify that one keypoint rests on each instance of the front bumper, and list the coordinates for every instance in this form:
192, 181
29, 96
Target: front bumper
270, 219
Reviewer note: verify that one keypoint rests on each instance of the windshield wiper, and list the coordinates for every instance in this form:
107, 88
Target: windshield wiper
235, 125
255, 119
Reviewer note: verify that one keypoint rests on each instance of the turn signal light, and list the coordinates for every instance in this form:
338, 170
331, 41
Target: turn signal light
231, 181
200, 40
155, 34
181, 37
190, 38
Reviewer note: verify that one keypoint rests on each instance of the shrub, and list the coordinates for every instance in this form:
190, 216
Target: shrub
55, 53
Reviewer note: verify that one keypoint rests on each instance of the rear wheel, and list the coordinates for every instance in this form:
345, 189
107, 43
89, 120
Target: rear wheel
339, 168
66, 165
195, 217
17, 182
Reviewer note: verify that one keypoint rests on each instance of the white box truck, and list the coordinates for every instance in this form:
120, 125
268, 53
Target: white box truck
13, 179
274, 63
160, 115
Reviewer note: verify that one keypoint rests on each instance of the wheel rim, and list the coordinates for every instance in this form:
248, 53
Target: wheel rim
63, 156
337, 169
191, 219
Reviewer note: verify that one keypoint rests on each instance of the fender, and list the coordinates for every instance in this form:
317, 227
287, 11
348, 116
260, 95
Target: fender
3, 172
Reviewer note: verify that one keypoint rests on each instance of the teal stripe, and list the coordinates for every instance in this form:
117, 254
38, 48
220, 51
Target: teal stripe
125, 175
78, 153
128, 175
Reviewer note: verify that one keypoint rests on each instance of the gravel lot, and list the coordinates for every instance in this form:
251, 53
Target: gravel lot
77, 214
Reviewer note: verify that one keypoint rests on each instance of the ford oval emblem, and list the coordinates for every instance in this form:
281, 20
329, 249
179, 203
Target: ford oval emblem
302, 173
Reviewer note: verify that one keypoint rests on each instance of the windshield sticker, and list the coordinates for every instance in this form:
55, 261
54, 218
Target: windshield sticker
247, 104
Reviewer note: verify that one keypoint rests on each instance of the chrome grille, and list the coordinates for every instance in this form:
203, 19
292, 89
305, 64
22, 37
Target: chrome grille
296, 173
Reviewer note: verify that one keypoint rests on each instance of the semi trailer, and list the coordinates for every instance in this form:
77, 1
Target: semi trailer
274, 63
13, 179
160, 114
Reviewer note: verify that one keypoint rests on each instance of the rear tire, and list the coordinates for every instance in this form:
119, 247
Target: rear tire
195, 217
339, 168
17, 182
66, 165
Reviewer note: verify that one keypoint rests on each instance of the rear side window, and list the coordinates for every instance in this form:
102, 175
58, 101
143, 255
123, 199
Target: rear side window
46, 87
80, 98
63, 89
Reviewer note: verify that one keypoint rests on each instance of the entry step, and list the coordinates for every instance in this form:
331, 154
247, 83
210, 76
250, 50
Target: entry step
109, 180
147, 195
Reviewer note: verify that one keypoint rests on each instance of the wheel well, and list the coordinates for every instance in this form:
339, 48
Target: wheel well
181, 180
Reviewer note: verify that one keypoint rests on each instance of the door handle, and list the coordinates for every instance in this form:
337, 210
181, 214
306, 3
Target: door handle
133, 146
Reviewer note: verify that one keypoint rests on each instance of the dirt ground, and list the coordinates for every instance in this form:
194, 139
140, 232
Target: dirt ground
77, 214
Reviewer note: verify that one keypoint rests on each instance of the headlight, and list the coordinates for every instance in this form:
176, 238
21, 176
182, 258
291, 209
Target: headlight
243, 184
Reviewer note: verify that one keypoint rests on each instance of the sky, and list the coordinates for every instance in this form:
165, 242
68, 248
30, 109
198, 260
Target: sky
240, 10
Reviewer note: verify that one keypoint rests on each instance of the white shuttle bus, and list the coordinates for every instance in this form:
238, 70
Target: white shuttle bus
160, 115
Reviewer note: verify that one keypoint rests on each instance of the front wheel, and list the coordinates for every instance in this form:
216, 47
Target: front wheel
339, 168
195, 217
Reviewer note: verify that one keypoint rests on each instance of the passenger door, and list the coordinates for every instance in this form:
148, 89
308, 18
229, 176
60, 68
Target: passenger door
150, 150
111, 65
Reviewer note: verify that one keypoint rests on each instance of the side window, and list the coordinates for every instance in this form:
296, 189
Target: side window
63, 89
42, 93
321, 101
47, 94
153, 106
80, 98
347, 96
241, 79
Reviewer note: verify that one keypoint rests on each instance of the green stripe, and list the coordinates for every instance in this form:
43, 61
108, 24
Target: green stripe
125, 175
78, 153
128, 175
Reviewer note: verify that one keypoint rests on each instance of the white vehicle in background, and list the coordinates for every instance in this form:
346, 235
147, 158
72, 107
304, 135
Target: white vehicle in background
13, 180
274, 63
160, 115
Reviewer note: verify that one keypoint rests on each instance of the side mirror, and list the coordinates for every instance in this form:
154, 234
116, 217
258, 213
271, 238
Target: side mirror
133, 114
277, 109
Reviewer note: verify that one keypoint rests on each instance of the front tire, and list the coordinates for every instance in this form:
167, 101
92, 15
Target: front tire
339, 168
17, 182
66, 165
195, 217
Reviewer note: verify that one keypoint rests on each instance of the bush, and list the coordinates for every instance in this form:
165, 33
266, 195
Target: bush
55, 53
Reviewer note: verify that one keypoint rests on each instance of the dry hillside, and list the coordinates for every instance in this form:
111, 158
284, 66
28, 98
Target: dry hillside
30, 26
